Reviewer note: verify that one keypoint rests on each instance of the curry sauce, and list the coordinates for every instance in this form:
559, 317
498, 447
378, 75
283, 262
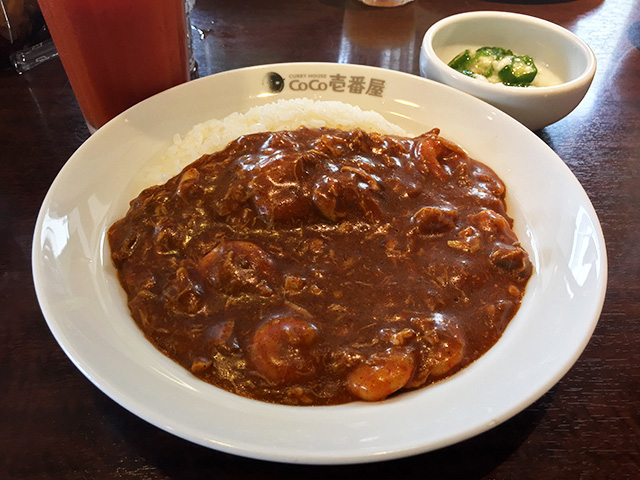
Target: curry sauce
320, 266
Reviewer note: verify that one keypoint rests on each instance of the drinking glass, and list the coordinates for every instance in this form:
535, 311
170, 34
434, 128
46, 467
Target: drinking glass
119, 52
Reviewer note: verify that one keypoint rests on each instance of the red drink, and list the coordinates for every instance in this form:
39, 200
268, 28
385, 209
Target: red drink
118, 52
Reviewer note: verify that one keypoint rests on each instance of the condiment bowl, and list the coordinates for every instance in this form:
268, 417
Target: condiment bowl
556, 51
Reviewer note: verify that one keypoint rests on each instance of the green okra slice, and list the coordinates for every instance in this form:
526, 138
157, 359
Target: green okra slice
520, 72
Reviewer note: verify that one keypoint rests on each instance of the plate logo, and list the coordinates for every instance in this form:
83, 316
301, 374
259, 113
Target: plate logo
320, 82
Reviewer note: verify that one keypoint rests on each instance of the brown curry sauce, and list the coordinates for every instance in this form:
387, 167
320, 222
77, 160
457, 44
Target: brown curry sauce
319, 267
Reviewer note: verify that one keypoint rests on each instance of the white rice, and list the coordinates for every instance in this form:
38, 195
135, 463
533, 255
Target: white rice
213, 135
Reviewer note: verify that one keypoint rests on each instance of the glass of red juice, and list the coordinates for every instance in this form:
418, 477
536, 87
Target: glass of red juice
116, 53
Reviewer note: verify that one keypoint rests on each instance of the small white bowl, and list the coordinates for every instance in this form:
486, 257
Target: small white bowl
553, 48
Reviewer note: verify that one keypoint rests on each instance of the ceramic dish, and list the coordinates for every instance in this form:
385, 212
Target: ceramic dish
86, 311
555, 50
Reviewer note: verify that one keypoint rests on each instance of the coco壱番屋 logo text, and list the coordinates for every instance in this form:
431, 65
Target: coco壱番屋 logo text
321, 82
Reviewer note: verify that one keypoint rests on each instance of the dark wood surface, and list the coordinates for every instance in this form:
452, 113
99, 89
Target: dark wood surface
55, 424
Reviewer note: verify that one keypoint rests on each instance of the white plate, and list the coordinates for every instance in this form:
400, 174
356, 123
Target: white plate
86, 311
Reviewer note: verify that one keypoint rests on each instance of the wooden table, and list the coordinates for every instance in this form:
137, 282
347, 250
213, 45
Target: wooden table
55, 424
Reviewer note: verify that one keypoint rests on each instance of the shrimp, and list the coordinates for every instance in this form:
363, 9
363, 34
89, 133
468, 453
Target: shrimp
428, 151
432, 220
239, 267
337, 195
381, 375
278, 193
188, 182
280, 349
448, 355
